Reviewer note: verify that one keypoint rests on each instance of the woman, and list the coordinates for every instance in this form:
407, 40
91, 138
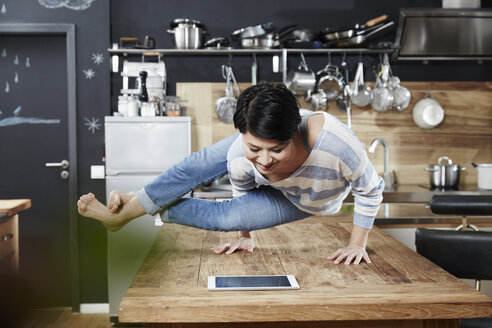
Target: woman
283, 168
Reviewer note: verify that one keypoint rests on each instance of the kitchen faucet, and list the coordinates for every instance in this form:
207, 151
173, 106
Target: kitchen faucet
388, 180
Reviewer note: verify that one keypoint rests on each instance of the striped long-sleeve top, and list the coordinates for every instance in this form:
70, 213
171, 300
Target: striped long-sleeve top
336, 165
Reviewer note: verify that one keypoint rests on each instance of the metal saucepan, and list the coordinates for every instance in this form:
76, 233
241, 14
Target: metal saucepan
217, 43
302, 38
266, 41
446, 176
253, 31
302, 80
362, 36
330, 80
338, 33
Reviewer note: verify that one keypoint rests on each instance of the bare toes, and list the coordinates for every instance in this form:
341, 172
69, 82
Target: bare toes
81, 205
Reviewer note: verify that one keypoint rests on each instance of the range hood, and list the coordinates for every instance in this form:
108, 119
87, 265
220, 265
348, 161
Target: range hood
444, 34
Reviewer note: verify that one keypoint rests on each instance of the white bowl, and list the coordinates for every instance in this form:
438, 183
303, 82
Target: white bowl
427, 113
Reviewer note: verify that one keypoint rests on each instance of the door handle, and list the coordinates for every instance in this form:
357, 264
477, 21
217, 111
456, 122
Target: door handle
63, 164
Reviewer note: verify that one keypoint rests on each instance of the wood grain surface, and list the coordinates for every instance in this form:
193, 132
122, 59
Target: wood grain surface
171, 285
465, 135
11, 207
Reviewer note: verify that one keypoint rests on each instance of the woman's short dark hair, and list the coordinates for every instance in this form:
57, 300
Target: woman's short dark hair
267, 111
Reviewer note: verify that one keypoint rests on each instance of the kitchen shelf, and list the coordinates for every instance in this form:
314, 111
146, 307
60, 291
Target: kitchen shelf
207, 52
284, 53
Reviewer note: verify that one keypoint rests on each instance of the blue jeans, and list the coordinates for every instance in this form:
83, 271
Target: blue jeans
260, 208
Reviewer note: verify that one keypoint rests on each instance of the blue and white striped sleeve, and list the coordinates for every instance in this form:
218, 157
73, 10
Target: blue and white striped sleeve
367, 186
368, 195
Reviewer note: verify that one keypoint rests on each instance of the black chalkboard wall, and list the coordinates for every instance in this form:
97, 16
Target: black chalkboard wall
92, 29
105, 21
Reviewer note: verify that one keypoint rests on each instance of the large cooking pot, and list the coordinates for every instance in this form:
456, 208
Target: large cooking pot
445, 176
188, 33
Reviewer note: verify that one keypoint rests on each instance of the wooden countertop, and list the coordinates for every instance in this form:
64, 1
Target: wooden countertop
171, 285
10, 207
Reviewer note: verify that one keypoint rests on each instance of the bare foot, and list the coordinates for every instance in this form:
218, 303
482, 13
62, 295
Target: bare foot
90, 207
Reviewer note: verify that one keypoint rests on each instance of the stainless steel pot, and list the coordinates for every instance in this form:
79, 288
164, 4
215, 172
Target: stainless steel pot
446, 176
188, 33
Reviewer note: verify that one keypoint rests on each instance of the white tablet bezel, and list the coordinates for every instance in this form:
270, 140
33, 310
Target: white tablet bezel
291, 278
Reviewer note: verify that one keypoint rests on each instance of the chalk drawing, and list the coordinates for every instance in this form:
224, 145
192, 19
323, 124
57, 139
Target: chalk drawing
28, 62
16, 78
4, 53
16, 119
7, 87
89, 73
71, 4
97, 58
16, 60
93, 124
3, 10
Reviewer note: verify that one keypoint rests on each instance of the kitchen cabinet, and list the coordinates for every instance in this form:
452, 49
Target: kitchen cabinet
400, 287
9, 232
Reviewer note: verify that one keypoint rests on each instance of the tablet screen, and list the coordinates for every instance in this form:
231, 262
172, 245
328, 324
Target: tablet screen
253, 282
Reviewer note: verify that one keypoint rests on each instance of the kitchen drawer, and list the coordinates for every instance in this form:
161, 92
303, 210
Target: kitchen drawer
9, 237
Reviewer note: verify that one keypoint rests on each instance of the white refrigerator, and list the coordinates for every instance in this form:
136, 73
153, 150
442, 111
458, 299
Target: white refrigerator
138, 149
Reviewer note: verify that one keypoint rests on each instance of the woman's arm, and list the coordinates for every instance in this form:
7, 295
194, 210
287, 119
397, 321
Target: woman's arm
370, 192
356, 249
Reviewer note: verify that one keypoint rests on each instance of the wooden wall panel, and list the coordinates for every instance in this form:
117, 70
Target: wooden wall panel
465, 134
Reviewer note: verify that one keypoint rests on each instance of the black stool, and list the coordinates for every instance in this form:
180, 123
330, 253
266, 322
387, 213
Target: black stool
463, 253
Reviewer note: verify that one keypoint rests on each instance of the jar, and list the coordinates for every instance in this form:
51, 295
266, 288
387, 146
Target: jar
132, 107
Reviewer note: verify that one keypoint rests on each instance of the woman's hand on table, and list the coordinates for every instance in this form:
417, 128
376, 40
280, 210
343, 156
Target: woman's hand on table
245, 243
355, 252
351, 254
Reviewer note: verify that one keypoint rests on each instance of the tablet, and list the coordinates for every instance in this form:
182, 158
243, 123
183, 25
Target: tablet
270, 282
